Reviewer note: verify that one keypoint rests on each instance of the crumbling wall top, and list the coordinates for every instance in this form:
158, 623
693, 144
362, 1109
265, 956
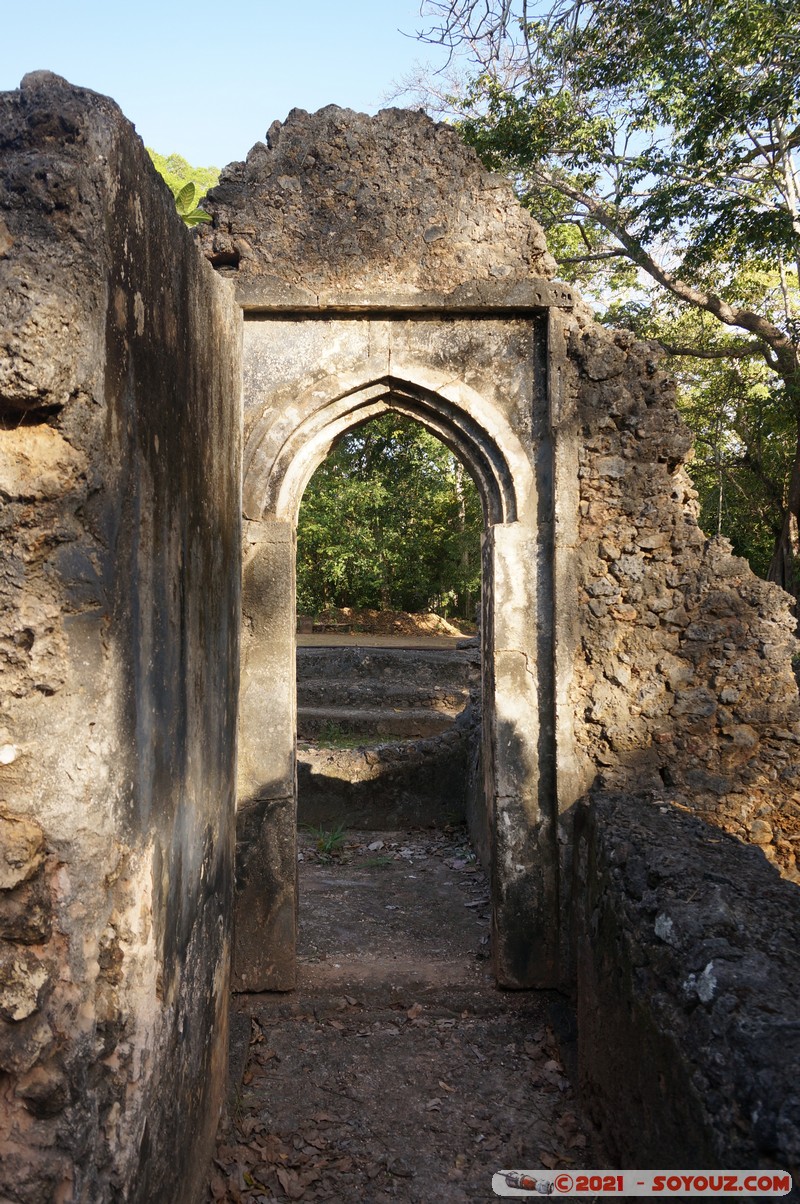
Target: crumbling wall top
338, 205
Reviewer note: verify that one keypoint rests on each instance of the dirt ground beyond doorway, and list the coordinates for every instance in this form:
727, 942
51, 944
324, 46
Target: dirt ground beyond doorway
396, 1071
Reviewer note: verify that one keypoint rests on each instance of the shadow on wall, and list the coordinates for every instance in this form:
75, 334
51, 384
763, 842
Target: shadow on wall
420, 783
423, 782
119, 609
684, 950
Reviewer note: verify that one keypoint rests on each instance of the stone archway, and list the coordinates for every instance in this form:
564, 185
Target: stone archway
417, 367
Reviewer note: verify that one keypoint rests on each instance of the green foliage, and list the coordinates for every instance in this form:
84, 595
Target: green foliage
680, 117
389, 520
333, 735
660, 139
187, 184
186, 205
743, 454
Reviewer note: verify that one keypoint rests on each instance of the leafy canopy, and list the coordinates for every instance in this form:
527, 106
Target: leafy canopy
389, 520
681, 116
658, 141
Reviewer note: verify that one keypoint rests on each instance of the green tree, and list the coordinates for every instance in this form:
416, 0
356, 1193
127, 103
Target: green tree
389, 520
186, 183
657, 139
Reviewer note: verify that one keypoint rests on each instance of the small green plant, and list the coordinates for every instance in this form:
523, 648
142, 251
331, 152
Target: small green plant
329, 843
187, 205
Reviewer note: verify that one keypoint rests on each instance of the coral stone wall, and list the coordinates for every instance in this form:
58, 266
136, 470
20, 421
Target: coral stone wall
682, 679
337, 204
119, 600
674, 660
688, 1009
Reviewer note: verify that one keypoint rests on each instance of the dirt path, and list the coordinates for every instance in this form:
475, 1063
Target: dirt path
396, 1071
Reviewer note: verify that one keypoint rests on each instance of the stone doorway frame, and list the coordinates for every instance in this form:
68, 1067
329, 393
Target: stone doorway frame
521, 711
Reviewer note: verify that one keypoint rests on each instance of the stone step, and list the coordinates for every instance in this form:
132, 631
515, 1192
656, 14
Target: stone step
387, 695
398, 783
438, 666
371, 722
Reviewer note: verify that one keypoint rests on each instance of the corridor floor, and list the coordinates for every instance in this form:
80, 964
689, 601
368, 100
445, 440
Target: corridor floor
396, 1071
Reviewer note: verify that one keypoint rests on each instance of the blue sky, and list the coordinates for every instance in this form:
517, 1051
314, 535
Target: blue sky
207, 79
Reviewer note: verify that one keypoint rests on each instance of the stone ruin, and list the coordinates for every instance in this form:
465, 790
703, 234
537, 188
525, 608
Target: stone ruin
160, 417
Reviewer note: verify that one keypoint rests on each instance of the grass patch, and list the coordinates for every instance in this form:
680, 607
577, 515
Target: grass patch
333, 735
329, 842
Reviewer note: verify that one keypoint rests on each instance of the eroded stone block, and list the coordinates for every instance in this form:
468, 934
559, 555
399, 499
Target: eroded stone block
22, 848
22, 981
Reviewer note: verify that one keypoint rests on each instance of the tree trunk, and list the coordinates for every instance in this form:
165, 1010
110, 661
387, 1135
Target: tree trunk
784, 568
462, 601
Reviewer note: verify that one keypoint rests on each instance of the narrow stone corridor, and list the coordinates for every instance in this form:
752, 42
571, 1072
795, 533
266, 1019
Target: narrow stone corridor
397, 1071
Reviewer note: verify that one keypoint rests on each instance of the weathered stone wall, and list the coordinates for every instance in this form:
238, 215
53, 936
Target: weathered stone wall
376, 254
675, 660
688, 1012
682, 673
337, 205
389, 786
120, 540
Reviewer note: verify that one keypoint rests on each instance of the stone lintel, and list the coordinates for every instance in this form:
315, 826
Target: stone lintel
268, 295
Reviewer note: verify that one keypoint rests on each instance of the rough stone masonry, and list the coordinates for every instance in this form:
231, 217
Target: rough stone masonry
119, 614
680, 673
377, 266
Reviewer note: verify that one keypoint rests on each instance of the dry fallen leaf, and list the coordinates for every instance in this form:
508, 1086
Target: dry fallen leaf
415, 1011
433, 1105
290, 1183
217, 1186
272, 1149
445, 1086
548, 1160
262, 1055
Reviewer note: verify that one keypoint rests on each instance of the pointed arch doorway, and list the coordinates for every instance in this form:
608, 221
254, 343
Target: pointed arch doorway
298, 401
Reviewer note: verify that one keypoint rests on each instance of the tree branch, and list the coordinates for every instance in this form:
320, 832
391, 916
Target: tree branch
734, 352
784, 360
593, 257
